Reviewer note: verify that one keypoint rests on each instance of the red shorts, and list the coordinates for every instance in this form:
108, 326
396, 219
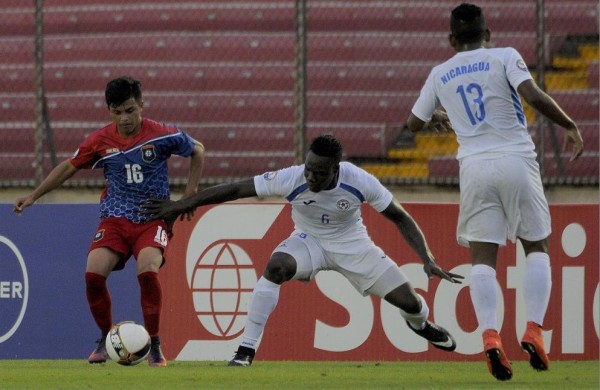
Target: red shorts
128, 238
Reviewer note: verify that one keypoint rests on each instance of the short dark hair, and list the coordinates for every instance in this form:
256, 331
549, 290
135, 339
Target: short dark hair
327, 145
468, 23
121, 89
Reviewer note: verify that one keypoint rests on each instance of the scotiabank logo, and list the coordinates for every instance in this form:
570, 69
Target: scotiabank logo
14, 288
227, 248
221, 274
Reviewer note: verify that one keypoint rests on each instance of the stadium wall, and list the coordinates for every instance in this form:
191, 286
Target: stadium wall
214, 261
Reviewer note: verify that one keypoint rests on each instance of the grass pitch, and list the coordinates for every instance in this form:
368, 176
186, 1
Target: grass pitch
264, 375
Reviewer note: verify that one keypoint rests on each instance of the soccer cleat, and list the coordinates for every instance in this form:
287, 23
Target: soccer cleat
243, 357
156, 357
99, 355
533, 344
436, 335
498, 364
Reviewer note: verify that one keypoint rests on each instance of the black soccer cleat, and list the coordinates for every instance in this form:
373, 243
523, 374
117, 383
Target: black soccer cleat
436, 335
243, 357
99, 355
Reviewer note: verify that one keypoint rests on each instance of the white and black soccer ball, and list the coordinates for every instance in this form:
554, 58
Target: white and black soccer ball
128, 343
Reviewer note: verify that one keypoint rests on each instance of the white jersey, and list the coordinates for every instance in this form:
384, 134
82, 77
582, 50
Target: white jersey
478, 90
331, 216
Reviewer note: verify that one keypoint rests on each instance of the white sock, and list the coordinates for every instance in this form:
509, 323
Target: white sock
263, 302
417, 320
483, 295
537, 285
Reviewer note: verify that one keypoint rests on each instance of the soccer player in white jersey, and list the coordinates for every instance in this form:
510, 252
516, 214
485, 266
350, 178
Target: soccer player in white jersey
326, 197
501, 189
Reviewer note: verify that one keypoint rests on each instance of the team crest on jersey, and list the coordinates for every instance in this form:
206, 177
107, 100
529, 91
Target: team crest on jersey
343, 204
99, 235
269, 175
148, 153
521, 65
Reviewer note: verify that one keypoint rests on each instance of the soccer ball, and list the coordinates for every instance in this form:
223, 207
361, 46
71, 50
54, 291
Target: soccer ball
128, 343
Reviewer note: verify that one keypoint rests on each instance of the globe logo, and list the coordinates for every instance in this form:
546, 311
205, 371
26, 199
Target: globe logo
222, 283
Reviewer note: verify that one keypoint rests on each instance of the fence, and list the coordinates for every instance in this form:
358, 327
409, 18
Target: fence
229, 73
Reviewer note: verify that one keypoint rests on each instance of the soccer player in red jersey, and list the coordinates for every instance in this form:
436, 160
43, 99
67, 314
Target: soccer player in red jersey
133, 153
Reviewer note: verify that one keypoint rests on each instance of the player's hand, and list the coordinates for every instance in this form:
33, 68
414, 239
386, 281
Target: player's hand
440, 123
21, 203
167, 210
573, 136
432, 269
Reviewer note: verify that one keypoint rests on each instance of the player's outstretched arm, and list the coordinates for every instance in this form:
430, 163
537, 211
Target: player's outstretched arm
170, 210
440, 123
544, 104
55, 178
196, 169
415, 238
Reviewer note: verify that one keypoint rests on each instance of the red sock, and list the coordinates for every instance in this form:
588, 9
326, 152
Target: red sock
151, 297
99, 300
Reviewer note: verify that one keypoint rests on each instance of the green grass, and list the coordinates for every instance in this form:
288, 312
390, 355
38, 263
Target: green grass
263, 375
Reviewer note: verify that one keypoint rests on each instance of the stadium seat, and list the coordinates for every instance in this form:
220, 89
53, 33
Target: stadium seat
361, 107
585, 166
368, 76
577, 17
589, 131
231, 76
179, 107
213, 46
582, 105
233, 165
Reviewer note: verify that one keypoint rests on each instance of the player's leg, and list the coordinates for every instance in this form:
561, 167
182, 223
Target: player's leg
294, 258
100, 263
484, 298
148, 247
537, 284
528, 217
280, 269
149, 261
482, 227
393, 286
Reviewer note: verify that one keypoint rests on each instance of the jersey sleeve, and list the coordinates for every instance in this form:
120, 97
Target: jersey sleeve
376, 194
427, 101
516, 69
181, 144
276, 183
85, 156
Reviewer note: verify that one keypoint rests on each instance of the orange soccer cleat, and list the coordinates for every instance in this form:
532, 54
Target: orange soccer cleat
533, 344
156, 357
99, 354
497, 363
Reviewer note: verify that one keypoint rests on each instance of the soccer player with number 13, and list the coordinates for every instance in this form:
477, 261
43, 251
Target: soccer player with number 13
501, 188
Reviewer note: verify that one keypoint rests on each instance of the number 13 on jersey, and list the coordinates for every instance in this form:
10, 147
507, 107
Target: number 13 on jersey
472, 98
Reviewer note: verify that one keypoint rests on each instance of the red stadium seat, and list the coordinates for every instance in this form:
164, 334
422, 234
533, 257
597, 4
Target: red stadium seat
233, 165
590, 131
582, 105
576, 17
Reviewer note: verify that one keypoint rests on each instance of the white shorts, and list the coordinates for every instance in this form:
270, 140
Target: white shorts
370, 271
501, 198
